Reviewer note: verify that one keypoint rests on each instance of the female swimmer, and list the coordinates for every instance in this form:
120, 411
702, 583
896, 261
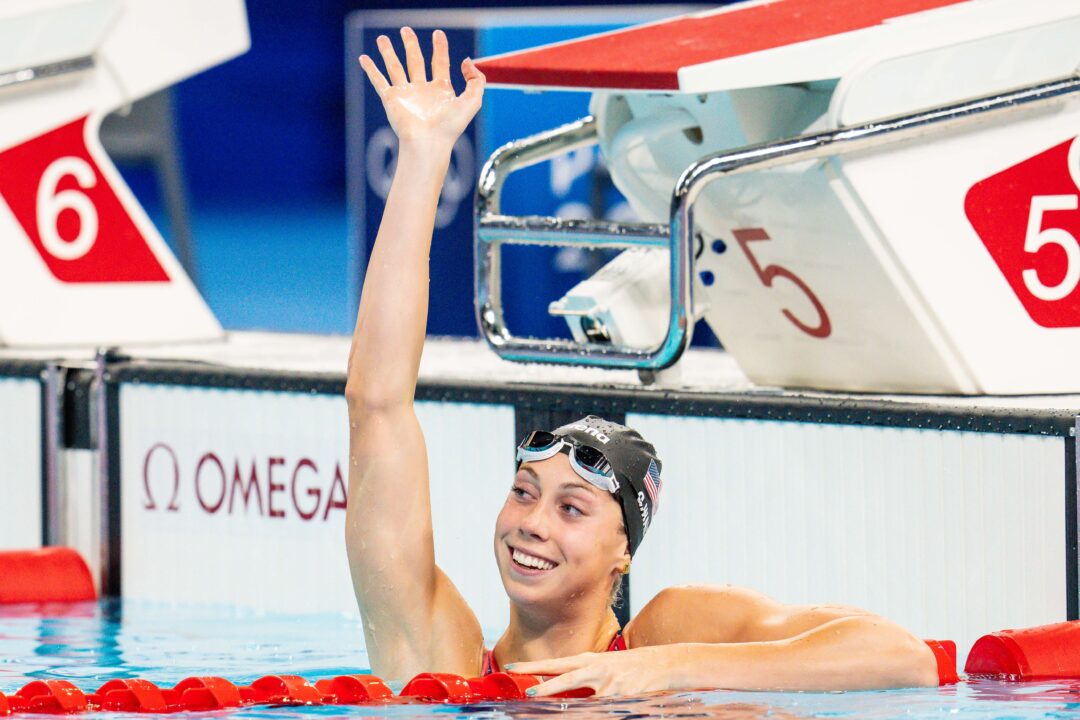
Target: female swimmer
578, 507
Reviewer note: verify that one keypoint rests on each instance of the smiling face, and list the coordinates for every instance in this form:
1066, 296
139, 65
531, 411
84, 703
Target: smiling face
559, 541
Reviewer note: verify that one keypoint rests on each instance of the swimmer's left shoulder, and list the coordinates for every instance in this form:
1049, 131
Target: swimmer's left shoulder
694, 613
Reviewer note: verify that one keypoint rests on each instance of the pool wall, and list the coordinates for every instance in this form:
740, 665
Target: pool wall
244, 492
217, 474
951, 532
948, 533
22, 482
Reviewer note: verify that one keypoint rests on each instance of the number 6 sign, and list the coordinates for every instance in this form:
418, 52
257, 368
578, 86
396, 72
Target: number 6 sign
1028, 217
70, 214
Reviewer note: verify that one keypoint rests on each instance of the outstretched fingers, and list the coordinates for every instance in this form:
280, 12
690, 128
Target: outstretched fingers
414, 58
440, 57
372, 71
390, 58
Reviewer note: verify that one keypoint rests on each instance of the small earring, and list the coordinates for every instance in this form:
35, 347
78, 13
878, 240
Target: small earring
626, 569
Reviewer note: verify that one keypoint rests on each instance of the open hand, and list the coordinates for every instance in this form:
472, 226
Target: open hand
419, 109
627, 672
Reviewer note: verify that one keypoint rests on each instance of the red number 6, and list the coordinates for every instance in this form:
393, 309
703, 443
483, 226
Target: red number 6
767, 274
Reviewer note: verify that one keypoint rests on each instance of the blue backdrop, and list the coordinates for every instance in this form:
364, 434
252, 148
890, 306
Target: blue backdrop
264, 144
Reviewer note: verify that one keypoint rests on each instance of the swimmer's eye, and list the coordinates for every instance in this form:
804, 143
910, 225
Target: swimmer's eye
572, 510
520, 493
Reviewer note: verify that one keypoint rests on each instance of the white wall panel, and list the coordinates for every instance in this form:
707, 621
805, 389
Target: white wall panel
951, 534
471, 461
281, 554
20, 463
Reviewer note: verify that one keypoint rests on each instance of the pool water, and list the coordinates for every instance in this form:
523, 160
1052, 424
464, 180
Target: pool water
95, 642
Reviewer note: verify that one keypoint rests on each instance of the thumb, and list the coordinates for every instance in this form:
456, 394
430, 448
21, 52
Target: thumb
474, 82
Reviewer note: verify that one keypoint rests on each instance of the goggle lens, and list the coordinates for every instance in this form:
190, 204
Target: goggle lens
538, 440
593, 459
587, 462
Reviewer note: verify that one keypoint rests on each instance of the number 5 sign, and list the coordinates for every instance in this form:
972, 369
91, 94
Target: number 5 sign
1028, 216
70, 214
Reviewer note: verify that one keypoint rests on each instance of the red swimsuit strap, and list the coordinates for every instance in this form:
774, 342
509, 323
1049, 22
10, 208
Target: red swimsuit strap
491, 665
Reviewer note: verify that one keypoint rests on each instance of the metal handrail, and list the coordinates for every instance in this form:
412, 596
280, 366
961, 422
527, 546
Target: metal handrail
21, 76
494, 229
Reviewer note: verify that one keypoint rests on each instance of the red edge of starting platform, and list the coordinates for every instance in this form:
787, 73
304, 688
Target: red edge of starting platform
649, 56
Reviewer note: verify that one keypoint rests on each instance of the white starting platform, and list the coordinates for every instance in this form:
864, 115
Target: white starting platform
80, 261
854, 196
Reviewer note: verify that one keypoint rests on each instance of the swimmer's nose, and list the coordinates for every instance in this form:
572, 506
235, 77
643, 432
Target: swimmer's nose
534, 524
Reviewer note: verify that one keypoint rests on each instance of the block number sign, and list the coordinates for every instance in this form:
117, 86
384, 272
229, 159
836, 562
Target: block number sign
71, 214
1028, 217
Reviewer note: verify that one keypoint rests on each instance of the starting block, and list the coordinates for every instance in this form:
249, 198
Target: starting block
854, 196
80, 262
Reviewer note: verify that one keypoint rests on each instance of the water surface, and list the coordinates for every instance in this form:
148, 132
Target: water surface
92, 643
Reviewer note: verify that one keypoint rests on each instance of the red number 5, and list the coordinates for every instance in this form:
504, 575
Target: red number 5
769, 273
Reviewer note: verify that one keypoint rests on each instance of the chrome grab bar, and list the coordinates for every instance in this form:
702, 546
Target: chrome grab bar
20, 76
494, 229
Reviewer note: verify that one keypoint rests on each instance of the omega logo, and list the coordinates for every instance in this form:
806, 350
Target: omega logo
272, 487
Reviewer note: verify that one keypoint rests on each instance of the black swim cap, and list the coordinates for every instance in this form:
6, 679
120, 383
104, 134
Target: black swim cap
636, 466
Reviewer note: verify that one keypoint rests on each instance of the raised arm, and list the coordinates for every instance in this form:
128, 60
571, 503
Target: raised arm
414, 618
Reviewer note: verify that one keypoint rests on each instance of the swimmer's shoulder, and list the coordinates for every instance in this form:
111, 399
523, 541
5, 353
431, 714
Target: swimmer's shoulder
696, 613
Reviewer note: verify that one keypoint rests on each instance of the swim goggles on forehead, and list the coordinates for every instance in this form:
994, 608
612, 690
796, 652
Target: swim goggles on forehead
589, 463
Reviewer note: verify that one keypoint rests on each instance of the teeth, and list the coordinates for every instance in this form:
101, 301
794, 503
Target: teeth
530, 561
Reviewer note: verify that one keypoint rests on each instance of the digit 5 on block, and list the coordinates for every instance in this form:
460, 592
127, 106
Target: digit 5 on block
1028, 217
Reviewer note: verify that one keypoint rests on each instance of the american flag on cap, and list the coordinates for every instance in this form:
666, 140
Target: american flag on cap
652, 485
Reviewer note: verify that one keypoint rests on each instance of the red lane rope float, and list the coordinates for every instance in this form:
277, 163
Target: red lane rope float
54, 574
1039, 653
131, 696
355, 689
49, 696
196, 694
439, 687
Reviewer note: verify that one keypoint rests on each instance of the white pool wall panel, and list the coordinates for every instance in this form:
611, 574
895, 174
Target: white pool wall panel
951, 534
20, 463
286, 563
